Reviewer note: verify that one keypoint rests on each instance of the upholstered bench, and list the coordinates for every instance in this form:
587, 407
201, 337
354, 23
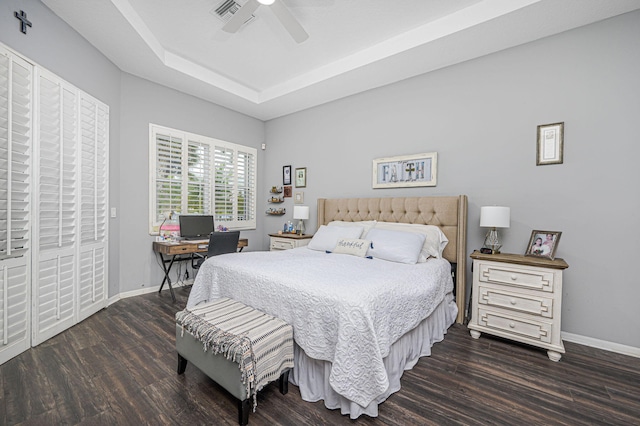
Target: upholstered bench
238, 347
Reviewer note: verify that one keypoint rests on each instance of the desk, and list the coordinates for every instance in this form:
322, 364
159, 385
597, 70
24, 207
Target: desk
179, 252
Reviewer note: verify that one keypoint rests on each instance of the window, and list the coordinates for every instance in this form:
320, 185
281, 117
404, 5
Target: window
194, 174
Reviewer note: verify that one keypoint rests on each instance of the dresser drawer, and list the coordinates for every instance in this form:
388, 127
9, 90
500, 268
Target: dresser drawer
282, 244
541, 306
523, 327
516, 276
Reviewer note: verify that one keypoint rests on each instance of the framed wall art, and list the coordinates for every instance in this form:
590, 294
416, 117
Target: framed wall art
543, 244
298, 197
405, 171
550, 144
301, 177
286, 175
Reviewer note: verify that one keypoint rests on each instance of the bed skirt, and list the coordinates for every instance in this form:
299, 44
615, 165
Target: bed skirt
312, 375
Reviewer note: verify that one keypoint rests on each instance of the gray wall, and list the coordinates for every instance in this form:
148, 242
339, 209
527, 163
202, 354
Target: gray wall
54, 45
143, 102
481, 118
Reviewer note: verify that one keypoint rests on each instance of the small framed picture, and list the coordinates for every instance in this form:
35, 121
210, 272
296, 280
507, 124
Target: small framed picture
287, 192
301, 177
298, 198
550, 144
543, 244
286, 175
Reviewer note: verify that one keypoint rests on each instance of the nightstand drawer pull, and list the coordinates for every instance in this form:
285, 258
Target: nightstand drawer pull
512, 325
514, 277
513, 301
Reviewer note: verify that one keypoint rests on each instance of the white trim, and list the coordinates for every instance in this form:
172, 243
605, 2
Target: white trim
601, 344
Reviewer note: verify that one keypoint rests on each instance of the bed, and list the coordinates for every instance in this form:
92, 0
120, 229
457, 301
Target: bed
359, 321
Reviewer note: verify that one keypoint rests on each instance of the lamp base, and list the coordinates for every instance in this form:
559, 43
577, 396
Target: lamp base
300, 228
491, 241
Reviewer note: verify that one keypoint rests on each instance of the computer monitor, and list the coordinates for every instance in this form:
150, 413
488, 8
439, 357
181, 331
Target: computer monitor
195, 226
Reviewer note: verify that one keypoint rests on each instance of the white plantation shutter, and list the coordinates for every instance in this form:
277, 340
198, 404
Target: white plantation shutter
168, 175
16, 123
94, 137
201, 176
54, 277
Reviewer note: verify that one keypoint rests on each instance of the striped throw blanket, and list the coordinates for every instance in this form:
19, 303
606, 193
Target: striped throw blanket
260, 344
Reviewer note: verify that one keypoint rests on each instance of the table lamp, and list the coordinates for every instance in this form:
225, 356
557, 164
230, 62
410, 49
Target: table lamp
301, 213
494, 217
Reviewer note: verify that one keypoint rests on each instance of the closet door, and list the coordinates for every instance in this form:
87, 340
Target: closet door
16, 97
54, 273
94, 190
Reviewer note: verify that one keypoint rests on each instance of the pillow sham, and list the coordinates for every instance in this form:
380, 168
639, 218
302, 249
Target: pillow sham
352, 246
435, 240
395, 246
365, 224
326, 237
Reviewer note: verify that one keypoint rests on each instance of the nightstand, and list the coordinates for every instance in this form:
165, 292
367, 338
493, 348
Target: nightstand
288, 241
519, 298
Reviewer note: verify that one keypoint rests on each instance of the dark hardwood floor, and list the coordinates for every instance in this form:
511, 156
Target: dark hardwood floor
119, 368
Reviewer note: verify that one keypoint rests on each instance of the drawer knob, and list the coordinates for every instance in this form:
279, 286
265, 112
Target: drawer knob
514, 277
512, 324
512, 301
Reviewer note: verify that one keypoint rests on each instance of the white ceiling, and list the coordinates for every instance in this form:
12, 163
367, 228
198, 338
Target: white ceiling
353, 45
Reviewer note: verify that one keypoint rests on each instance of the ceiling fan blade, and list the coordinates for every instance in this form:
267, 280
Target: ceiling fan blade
241, 16
290, 23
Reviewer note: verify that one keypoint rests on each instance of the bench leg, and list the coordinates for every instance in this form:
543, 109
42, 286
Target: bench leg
182, 364
284, 382
243, 411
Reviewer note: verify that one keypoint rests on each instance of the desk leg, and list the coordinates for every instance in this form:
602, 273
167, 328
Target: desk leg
167, 279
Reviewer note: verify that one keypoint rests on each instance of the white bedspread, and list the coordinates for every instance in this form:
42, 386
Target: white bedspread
344, 309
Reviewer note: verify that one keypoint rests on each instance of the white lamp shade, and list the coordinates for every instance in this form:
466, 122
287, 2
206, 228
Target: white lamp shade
494, 217
301, 212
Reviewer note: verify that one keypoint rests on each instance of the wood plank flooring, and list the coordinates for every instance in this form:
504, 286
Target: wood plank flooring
119, 368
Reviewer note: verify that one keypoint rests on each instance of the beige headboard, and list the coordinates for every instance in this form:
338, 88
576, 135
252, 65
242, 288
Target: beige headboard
448, 213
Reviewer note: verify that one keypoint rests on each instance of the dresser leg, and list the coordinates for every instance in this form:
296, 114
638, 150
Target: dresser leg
475, 334
554, 356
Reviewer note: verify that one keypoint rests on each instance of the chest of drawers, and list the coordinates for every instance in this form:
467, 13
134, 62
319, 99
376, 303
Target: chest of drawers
518, 298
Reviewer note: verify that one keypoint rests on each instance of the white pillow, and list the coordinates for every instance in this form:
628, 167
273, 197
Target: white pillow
395, 246
326, 237
366, 224
434, 243
353, 246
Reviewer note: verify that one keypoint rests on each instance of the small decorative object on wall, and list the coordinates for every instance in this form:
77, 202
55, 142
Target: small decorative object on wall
298, 198
543, 244
550, 144
301, 177
287, 192
24, 22
404, 171
286, 175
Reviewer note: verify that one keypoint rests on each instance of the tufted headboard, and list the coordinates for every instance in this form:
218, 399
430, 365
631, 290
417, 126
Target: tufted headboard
448, 213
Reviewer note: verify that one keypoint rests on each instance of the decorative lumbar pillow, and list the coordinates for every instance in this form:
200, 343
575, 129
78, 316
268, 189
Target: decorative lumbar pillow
434, 243
395, 246
326, 237
353, 246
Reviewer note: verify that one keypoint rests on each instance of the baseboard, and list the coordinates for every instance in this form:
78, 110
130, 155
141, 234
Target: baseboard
601, 344
146, 290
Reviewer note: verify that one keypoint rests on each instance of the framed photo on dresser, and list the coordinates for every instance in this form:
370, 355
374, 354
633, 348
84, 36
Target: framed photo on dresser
543, 244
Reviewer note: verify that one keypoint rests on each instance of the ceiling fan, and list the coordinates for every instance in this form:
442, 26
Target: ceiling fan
285, 17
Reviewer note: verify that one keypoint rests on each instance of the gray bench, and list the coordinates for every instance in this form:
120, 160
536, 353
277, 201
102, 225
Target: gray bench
238, 347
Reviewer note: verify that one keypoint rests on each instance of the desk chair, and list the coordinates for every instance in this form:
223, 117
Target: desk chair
219, 243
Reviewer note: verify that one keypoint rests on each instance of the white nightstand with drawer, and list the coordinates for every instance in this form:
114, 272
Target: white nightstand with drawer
519, 298
288, 241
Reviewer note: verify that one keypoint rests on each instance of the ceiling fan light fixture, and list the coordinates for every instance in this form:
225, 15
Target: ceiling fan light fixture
266, 2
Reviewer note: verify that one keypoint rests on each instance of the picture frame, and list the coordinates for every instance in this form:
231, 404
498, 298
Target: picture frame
301, 177
405, 171
298, 197
550, 144
287, 191
543, 244
286, 175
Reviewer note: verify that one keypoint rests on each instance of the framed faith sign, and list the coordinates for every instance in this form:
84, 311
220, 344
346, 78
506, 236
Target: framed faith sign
405, 171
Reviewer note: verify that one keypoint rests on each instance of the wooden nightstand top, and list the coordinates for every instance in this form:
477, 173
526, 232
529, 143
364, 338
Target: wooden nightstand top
519, 259
292, 236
